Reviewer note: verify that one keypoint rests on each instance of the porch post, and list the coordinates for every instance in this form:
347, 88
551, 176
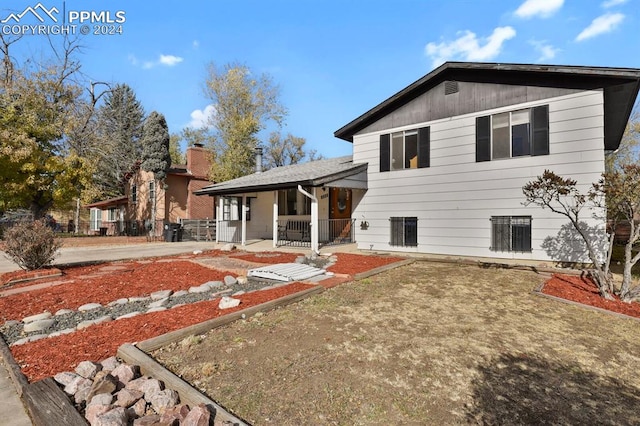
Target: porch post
315, 228
244, 220
314, 217
275, 219
218, 219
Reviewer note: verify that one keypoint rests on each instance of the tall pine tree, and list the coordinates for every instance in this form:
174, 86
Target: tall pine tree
155, 152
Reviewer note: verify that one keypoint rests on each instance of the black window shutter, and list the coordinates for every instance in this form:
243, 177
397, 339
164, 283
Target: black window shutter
540, 129
483, 138
385, 152
424, 148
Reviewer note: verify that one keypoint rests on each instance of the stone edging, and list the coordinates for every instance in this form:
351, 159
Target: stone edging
138, 354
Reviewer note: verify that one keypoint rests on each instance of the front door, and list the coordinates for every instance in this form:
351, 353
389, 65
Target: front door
340, 212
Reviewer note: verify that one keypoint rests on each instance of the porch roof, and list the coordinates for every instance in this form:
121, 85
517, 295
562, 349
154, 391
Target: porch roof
313, 173
117, 201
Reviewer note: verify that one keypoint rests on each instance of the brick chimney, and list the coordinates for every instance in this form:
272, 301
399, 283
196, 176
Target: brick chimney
198, 160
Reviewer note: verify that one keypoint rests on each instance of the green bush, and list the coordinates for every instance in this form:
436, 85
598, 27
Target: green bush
32, 245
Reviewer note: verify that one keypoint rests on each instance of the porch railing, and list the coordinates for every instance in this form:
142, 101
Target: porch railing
297, 233
198, 230
229, 231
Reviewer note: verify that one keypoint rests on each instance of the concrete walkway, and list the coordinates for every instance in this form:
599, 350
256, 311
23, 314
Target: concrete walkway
12, 412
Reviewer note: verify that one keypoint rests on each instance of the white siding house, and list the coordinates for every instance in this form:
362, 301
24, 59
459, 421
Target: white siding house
448, 157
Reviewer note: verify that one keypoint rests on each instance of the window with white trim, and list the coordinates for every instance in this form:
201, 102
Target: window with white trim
292, 203
95, 219
152, 191
511, 233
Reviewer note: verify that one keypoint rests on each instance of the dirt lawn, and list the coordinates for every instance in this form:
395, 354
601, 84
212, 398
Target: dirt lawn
427, 343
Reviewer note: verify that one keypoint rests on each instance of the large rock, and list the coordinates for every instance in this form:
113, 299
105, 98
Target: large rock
175, 414
65, 377
230, 280
93, 411
138, 409
114, 417
38, 317
40, 325
214, 284
89, 323
77, 383
105, 384
228, 247
162, 294
109, 364
228, 302
126, 398
88, 369
163, 400
89, 307
198, 416
199, 289
101, 399
125, 373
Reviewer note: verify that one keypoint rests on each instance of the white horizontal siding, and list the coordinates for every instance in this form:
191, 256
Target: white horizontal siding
455, 198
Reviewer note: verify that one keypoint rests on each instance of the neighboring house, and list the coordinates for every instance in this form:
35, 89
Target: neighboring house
302, 204
132, 214
449, 154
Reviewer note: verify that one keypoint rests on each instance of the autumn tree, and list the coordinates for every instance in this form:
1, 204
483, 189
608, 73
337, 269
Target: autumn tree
119, 129
562, 196
285, 151
38, 167
628, 151
175, 152
245, 103
155, 152
622, 191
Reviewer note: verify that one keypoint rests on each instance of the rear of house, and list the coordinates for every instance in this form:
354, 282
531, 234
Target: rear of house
448, 157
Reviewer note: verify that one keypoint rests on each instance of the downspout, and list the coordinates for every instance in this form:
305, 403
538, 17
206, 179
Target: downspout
314, 219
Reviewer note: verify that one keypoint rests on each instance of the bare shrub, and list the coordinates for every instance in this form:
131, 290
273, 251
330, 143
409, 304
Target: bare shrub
32, 245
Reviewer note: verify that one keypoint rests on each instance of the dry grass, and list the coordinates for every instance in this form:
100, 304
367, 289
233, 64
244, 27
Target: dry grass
427, 343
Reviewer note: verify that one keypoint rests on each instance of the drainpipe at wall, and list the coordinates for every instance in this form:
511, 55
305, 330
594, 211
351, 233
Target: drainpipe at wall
314, 218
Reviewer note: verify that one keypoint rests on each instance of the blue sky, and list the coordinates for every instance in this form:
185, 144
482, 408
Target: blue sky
333, 60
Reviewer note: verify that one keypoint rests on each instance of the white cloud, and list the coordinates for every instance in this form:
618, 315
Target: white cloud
195, 44
539, 8
170, 60
166, 60
611, 3
468, 47
601, 25
202, 118
545, 50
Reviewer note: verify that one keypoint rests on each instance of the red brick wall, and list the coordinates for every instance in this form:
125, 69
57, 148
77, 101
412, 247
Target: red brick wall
198, 161
199, 206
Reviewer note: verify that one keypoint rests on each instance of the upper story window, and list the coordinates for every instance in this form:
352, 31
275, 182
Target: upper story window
134, 193
152, 191
408, 149
513, 134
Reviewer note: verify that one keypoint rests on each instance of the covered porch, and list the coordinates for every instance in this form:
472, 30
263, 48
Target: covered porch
304, 205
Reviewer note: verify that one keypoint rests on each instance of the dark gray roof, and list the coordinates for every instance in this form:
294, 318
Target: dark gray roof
313, 173
620, 87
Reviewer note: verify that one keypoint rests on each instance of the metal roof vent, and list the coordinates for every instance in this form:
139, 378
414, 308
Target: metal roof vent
450, 87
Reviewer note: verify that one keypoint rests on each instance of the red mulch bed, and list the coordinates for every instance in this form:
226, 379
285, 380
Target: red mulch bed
352, 264
583, 290
25, 276
47, 357
268, 257
138, 279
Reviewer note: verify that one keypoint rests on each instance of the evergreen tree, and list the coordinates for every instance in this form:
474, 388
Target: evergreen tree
120, 121
155, 154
